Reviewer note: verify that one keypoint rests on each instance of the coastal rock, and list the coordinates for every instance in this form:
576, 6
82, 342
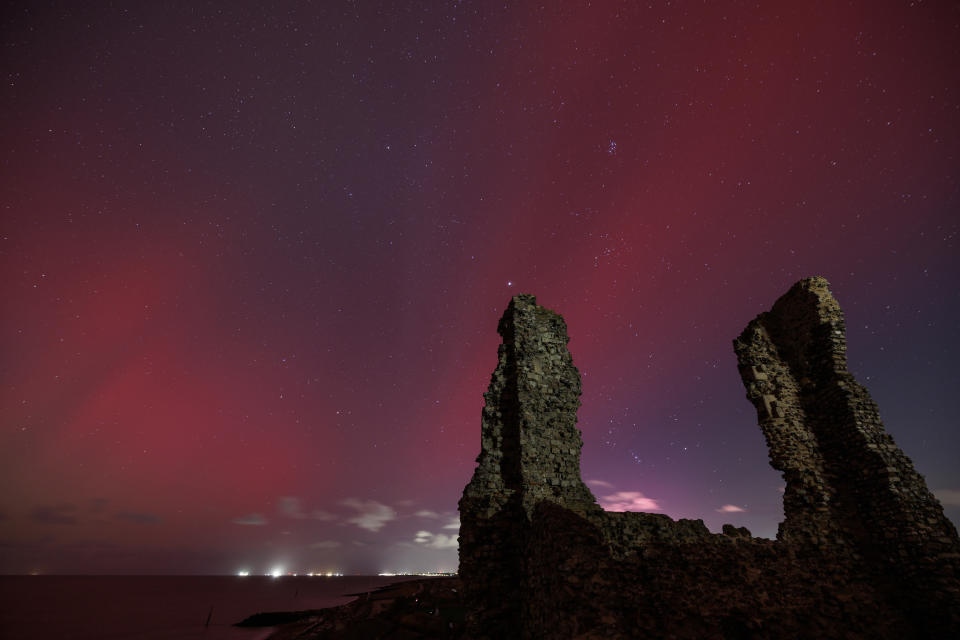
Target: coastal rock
410, 610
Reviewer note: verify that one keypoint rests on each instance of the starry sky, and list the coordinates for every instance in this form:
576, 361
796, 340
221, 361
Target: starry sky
254, 255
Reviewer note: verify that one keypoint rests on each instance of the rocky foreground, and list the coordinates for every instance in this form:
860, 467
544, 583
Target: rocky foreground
426, 608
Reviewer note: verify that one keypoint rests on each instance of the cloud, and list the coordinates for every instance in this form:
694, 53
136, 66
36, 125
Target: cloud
436, 540
948, 497
426, 513
730, 508
629, 501
324, 516
60, 514
325, 544
603, 484
97, 505
251, 519
139, 518
289, 506
371, 515
453, 524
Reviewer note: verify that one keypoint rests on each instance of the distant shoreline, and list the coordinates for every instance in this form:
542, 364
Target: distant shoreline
427, 607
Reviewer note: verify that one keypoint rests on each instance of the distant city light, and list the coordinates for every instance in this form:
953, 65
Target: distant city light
279, 570
418, 573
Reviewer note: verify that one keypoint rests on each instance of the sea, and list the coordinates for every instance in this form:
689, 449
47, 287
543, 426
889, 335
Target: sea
162, 607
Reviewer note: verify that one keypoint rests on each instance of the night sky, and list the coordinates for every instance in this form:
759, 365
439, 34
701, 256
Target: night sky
254, 255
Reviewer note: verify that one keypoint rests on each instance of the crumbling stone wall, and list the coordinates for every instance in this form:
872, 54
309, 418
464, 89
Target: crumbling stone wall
720, 587
847, 482
529, 452
530, 445
864, 550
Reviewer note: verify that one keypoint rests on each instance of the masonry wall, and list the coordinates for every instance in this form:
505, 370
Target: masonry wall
529, 452
847, 482
714, 587
864, 550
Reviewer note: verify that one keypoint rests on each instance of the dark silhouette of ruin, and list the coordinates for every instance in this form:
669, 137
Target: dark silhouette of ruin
864, 551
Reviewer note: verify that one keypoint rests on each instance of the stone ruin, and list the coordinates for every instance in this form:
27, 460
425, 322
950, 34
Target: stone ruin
864, 551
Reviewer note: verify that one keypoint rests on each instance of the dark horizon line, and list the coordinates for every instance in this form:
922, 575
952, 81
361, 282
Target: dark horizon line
222, 575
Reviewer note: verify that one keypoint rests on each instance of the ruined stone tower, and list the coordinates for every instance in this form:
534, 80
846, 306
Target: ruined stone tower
847, 482
529, 452
864, 550
530, 444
